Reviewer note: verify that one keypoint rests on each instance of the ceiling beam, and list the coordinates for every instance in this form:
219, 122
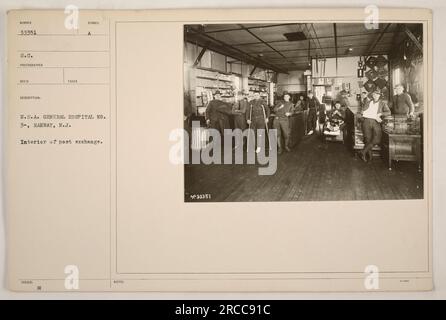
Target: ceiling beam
336, 46
306, 50
321, 38
200, 55
247, 57
308, 35
309, 53
254, 27
413, 38
261, 40
375, 42
252, 71
317, 38
303, 59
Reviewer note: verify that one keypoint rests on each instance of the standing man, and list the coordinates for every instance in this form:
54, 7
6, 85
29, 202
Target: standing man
313, 106
283, 110
300, 104
239, 111
343, 98
217, 113
372, 114
402, 102
257, 116
303, 104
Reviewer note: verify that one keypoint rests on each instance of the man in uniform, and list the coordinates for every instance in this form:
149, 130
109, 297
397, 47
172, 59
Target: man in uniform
372, 114
257, 116
283, 110
402, 102
313, 106
217, 113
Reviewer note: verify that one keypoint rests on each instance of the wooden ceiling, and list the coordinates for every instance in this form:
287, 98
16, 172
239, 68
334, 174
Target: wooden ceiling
266, 46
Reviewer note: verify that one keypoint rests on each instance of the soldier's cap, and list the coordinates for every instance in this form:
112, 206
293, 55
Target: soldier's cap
217, 92
286, 93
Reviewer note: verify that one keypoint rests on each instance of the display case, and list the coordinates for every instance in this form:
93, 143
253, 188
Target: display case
402, 140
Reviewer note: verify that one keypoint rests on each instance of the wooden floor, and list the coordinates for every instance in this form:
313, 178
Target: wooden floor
313, 171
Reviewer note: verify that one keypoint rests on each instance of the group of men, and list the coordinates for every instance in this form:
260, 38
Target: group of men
255, 114
374, 110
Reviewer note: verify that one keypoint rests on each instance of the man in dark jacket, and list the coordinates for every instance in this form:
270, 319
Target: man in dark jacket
257, 116
402, 102
283, 110
239, 111
300, 104
372, 114
217, 112
313, 107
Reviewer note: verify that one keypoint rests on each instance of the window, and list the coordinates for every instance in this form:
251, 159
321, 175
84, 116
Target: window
396, 77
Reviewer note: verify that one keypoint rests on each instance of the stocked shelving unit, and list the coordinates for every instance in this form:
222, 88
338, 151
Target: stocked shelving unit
260, 86
208, 81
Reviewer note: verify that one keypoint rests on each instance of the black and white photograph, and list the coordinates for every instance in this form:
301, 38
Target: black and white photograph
303, 111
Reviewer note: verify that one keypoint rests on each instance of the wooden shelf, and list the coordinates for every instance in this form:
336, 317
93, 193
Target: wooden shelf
214, 79
214, 70
255, 79
223, 88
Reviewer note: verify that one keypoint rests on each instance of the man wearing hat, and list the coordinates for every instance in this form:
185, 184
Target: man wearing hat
257, 115
364, 98
402, 102
217, 112
283, 110
372, 114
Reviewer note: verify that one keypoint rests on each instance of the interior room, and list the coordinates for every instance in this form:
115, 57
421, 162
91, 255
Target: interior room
353, 94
